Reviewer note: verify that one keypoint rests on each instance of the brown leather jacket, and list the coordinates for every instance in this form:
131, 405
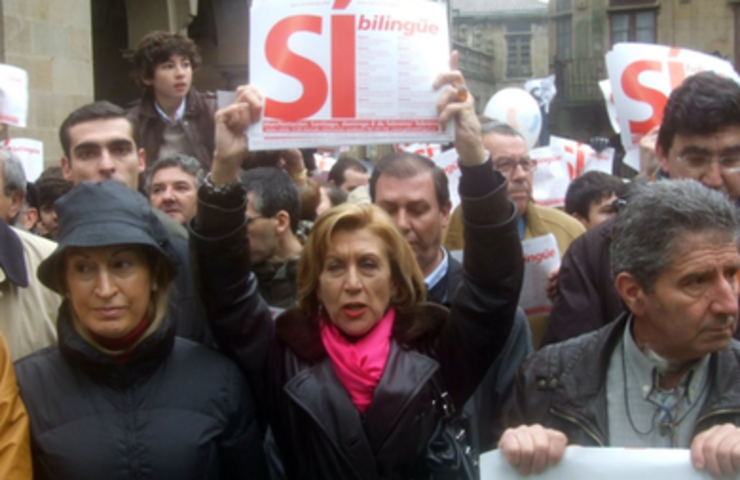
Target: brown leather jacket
198, 125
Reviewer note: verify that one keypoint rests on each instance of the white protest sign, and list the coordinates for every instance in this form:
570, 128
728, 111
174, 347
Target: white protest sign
543, 90
347, 72
324, 161
589, 463
31, 154
447, 161
13, 95
429, 150
611, 108
642, 77
541, 256
582, 158
550, 178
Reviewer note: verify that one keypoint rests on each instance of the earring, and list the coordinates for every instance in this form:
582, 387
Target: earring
155, 287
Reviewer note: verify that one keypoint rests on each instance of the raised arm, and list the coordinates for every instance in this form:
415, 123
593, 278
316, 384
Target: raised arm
484, 307
239, 318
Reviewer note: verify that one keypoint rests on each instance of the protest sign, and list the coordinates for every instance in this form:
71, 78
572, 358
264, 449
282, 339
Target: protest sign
550, 178
349, 72
447, 161
543, 90
642, 76
13, 96
31, 154
429, 150
611, 109
603, 463
581, 158
541, 256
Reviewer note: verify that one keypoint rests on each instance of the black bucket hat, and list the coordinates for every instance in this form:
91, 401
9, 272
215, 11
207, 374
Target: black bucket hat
104, 214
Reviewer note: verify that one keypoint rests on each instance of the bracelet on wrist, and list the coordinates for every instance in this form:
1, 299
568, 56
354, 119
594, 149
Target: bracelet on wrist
220, 189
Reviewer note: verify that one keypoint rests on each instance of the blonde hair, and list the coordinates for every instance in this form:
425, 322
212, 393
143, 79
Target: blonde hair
405, 272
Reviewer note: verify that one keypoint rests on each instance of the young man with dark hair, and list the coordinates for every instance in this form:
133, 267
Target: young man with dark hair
100, 144
590, 198
50, 189
348, 173
172, 116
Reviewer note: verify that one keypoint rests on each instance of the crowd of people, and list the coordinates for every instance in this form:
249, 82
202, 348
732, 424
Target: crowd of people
173, 305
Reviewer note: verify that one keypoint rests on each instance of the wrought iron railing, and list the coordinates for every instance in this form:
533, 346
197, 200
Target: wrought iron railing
578, 79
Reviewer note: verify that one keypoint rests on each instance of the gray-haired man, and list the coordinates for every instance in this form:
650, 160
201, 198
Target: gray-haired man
172, 185
664, 373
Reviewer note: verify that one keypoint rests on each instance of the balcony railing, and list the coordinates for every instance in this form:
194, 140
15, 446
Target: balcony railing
578, 79
474, 63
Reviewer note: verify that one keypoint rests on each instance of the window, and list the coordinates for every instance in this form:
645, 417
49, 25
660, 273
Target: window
563, 37
519, 49
518, 57
562, 6
633, 27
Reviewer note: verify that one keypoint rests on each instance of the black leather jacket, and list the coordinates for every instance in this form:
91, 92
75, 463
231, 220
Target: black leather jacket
563, 387
318, 430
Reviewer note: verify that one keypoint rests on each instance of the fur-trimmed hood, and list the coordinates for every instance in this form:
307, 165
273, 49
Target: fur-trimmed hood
301, 332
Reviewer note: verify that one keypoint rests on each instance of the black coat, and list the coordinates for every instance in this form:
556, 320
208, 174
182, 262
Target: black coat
175, 410
319, 431
563, 386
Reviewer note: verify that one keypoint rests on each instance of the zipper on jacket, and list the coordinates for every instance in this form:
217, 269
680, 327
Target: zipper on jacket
579, 424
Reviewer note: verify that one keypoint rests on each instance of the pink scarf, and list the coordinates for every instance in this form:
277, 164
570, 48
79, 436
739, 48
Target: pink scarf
359, 365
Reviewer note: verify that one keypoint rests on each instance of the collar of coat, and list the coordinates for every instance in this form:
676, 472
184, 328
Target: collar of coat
575, 372
301, 333
147, 108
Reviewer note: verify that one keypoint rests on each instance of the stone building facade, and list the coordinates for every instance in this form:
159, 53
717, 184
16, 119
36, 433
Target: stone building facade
502, 43
583, 31
51, 40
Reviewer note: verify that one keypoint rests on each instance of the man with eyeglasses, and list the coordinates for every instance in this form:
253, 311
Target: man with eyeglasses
511, 157
699, 139
273, 213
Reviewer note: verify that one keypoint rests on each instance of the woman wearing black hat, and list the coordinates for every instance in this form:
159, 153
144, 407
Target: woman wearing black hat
120, 396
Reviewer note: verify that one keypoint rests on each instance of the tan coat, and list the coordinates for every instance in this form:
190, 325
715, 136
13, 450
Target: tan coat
28, 315
539, 221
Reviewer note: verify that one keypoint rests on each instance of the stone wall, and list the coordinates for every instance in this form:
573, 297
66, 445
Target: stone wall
51, 40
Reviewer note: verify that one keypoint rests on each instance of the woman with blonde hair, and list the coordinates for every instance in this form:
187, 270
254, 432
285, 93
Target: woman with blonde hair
353, 380
120, 396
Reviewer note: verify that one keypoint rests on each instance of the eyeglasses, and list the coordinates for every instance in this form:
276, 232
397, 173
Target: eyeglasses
508, 165
701, 163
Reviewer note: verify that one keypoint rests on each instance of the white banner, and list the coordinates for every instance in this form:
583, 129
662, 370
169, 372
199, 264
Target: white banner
611, 108
581, 157
13, 95
351, 72
31, 154
642, 77
447, 161
551, 177
543, 90
602, 464
541, 256
429, 150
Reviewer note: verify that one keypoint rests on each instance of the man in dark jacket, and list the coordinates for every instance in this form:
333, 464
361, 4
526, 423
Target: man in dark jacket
273, 212
662, 375
173, 118
415, 193
699, 138
100, 143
